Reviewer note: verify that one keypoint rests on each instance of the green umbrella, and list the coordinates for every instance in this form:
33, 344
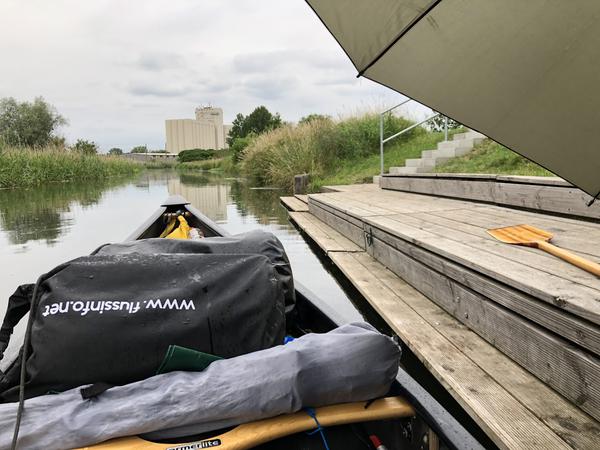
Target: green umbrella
526, 73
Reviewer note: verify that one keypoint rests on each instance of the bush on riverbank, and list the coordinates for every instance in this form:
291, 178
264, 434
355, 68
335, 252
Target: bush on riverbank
322, 148
196, 154
224, 163
28, 167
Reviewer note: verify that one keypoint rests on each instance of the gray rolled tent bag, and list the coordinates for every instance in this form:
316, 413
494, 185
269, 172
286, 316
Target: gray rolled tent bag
351, 363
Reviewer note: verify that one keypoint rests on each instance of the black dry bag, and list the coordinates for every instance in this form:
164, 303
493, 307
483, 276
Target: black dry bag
111, 317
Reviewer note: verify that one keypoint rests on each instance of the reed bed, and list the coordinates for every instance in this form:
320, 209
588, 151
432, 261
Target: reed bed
29, 167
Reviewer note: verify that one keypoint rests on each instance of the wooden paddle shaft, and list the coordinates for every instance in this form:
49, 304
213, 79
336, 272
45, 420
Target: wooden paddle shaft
252, 434
580, 262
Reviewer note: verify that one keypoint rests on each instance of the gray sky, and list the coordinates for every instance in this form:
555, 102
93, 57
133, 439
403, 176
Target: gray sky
117, 69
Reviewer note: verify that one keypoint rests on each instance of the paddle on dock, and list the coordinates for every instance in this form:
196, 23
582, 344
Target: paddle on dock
534, 237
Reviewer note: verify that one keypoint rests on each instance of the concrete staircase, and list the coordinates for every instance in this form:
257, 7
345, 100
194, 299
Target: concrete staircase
461, 144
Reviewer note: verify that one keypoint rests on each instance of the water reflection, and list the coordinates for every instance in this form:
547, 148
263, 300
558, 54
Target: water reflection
210, 194
43, 213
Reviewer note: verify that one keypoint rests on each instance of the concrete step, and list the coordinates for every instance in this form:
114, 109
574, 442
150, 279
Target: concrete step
428, 153
409, 170
414, 162
461, 142
468, 135
452, 152
435, 161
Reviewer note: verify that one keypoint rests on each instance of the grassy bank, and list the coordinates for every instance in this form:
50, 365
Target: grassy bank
491, 157
332, 152
223, 164
26, 167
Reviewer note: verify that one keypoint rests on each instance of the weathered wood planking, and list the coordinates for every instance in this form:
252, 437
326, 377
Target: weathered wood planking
348, 226
532, 193
577, 299
293, 204
569, 234
500, 414
302, 197
477, 237
575, 427
550, 287
326, 237
581, 332
569, 370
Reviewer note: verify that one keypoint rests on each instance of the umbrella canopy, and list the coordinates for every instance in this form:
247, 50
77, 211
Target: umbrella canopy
524, 73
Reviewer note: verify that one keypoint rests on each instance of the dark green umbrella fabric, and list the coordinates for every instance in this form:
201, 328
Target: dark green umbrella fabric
524, 73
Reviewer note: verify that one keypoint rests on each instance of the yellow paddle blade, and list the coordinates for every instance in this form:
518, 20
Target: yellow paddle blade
520, 235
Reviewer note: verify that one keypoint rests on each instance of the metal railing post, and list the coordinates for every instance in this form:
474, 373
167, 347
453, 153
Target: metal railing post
445, 128
381, 142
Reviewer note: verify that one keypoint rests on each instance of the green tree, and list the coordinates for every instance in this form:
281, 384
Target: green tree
85, 147
257, 122
115, 151
28, 124
437, 124
58, 142
313, 118
139, 149
238, 147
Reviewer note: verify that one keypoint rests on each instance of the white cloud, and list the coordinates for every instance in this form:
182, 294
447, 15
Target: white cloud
118, 69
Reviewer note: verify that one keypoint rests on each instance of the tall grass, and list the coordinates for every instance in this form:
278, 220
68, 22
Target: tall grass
361, 170
21, 167
491, 157
319, 147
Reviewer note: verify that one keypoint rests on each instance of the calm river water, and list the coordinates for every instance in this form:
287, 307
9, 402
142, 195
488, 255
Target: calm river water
45, 226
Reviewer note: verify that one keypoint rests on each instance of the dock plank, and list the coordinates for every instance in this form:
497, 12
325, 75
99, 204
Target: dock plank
572, 235
501, 415
580, 332
478, 237
302, 197
294, 204
568, 369
344, 224
577, 299
524, 303
326, 237
570, 423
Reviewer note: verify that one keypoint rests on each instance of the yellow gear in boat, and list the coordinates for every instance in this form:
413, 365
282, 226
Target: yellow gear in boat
182, 231
170, 226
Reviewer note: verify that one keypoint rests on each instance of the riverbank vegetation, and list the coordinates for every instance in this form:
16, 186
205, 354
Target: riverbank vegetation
491, 157
25, 167
217, 161
332, 152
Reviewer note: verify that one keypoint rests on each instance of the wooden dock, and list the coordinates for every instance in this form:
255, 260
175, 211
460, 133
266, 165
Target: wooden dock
511, 332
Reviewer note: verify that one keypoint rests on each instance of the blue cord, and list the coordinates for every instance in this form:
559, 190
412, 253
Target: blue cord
312, 413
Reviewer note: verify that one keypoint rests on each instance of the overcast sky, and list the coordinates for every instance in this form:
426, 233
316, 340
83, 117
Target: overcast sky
117, 69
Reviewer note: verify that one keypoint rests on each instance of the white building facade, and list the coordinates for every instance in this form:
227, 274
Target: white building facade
206, 131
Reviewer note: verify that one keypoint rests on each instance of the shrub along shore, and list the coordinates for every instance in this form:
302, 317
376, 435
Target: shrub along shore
332, 152
21, 167
347, 152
